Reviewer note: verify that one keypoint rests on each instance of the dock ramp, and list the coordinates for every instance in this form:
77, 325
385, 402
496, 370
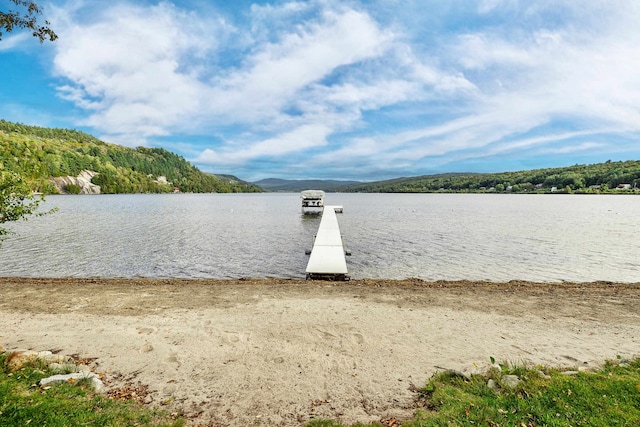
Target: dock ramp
327, 260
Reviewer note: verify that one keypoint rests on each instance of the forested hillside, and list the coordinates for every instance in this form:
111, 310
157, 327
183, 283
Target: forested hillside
38, 154
608, 177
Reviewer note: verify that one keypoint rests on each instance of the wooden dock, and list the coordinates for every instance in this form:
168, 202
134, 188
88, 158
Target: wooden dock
327, 260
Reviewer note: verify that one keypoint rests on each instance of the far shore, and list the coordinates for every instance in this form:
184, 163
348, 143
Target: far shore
272, 351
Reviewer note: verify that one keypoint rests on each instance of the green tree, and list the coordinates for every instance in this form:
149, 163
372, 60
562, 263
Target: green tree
26, 17
16, 200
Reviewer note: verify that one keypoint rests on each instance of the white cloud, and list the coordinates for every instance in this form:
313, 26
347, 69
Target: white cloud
297, 140
138, 68
528, 81
12, 41
567, 149
343, 84
277, 72
129, 68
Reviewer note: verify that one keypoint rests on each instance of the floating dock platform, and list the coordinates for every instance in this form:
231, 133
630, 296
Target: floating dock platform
327, 260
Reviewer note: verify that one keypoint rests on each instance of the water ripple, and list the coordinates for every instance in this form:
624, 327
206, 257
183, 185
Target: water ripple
434, 237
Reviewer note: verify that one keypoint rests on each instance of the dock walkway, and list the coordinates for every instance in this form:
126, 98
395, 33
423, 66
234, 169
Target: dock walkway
327, 259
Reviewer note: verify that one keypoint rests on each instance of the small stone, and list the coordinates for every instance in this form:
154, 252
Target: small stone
569, 373
83, 368
278, 360
146, 348
63, 368
49, 357
491, 384
511, 380
543, 375
169, 389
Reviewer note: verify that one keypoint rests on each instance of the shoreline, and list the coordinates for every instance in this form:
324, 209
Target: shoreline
284, 351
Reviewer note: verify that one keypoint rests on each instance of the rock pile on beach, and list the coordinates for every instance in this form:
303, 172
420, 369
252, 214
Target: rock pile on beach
65, 368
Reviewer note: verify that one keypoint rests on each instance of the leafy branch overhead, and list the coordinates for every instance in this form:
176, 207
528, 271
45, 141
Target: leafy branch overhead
16, 200
26, 17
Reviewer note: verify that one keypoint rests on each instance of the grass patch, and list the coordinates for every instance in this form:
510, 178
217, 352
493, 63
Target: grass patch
544, 397
23, 402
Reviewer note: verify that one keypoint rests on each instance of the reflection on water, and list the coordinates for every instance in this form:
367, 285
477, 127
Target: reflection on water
430, 236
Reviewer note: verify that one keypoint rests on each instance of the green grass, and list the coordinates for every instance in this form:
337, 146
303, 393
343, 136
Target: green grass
545, 397
23, 403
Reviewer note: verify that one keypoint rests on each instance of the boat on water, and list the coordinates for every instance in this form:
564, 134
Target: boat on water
312, 201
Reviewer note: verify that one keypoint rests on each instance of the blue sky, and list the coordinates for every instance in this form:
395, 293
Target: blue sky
333, 89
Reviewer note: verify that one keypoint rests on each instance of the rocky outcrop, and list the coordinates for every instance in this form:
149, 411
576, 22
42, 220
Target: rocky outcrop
82, 181
161, 180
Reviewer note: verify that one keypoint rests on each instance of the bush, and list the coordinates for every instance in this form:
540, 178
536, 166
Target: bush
73, 189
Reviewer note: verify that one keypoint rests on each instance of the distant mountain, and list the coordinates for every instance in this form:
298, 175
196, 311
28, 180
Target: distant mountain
234, 180
286, 185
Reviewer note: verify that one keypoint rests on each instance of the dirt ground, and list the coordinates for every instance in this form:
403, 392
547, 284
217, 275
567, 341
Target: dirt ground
282, 352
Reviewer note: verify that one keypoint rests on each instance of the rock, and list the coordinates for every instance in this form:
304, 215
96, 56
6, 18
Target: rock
95, 381
543, 375
63, 368
511, 381
146, 348
491, 384
20, 359
83, 368
569, 373
169, 389
54, 358
83, 181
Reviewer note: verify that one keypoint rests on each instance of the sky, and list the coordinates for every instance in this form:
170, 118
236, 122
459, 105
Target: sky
338, 89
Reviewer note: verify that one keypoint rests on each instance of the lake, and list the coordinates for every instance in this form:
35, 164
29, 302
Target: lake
496, 237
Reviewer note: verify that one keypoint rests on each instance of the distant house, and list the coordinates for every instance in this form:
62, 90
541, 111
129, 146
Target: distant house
624, 187
509, 188
554, 189
539, 186
594, 187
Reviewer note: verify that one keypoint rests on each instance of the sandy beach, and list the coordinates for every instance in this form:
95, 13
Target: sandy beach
282, 352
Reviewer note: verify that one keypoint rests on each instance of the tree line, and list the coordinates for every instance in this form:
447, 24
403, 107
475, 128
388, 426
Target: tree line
36, 154
607, 177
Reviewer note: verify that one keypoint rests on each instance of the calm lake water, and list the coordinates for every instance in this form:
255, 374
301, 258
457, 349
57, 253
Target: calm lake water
394, 236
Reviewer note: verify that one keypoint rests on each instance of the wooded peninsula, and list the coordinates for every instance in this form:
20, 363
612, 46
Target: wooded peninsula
601, 178
39, 154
